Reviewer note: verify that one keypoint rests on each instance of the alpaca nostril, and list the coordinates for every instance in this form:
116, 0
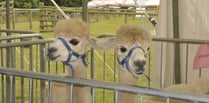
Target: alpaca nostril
52, 49
139, 66
140, 63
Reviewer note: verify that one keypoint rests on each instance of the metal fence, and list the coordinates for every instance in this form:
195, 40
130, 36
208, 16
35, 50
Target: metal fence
142, 91
25, 73
187, 49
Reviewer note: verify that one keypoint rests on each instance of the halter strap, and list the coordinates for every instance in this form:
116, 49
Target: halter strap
72, 53
124, 62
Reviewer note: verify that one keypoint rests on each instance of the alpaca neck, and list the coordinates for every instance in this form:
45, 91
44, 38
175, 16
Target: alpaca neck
79, 69
126, 77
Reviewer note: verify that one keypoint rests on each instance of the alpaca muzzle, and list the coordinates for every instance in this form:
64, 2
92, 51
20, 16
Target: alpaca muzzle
51, 53
139, 65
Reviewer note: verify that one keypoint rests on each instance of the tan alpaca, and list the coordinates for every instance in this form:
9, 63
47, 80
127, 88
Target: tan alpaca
131, 44
128, 36
70, 47
200, 87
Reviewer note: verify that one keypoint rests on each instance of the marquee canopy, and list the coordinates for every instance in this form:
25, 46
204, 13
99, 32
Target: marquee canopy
97, 3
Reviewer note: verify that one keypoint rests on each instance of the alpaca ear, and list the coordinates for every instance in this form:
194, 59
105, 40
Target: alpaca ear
103, 42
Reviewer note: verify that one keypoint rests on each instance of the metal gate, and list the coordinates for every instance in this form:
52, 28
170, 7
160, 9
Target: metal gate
25, 73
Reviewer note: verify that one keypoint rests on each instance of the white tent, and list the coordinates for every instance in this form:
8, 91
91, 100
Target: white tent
97, 3
193, 24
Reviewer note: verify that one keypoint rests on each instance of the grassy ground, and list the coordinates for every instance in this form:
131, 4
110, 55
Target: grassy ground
101, 72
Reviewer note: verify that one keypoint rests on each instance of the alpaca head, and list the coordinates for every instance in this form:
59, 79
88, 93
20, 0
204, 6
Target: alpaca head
132, 45
71, 40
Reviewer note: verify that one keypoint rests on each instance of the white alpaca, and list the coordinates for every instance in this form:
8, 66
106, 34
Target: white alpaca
132, 44
199, 87
70, 47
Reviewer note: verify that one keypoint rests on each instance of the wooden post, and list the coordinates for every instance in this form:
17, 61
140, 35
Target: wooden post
30, 18
41, 4
85, 10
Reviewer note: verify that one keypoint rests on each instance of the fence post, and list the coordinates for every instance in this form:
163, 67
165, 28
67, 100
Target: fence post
30, 18
84, 10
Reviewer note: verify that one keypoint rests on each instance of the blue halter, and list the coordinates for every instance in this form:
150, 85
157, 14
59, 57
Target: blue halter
72, 53
124, 62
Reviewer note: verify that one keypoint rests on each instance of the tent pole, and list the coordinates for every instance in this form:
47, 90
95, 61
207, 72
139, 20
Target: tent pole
177, 69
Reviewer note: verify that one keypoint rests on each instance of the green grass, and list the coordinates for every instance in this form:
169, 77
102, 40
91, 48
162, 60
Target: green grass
102, 72
110, 26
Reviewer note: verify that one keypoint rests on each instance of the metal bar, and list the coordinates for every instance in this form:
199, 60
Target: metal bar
42, 69
11, 99
103, 12
115, 62
36, 91
36, 69
20, 36
31, 80
50, 92
25, 43
9, 52
173, 40
56, 65
92, 63
187, 56
190, 41
71, 93
105, 85
141, 99
31, 58
116, 96
17, 31
31, 90
93, 95
13, 58
149, 68
92, 73
63, 66
161, 65
2, 57
22, 68
2, 88
104, 73
22, 90
168, 100
200, 72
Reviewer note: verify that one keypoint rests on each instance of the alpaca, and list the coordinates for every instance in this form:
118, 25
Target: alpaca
69, 47
199, 87
132, 45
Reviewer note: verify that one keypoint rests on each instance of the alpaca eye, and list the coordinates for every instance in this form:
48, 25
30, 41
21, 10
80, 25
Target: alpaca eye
123, 49
74, 41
